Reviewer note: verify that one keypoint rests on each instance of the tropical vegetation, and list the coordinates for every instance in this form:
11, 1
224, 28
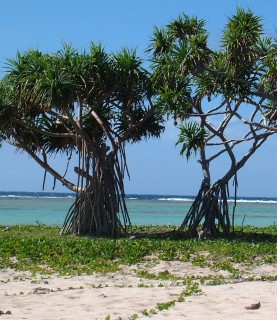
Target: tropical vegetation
93, 103
42, 250
85, 103
206, 91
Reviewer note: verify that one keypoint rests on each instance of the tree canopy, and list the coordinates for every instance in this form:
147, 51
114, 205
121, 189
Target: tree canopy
89, 103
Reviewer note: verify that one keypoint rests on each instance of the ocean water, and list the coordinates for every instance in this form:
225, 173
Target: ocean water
51, 209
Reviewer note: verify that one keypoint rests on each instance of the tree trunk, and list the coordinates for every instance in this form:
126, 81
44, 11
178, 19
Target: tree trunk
210, 207
100, 208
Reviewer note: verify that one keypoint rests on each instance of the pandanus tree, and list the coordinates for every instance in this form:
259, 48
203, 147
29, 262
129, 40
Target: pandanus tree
89, 104
207, 91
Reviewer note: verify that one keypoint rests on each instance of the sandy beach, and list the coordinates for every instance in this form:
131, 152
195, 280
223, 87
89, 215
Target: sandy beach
125, 295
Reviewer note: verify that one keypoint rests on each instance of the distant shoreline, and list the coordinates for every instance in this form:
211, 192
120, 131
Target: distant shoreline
159, 197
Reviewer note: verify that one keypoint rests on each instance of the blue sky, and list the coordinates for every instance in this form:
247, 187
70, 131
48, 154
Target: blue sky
155, 166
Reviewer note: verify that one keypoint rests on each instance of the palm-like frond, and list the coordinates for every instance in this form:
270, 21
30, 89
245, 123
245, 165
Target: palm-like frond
185, 27
242, 31
133, 81
151, 127
268, 54
193, 55
240, 38
176, 99
160, 43
192, 138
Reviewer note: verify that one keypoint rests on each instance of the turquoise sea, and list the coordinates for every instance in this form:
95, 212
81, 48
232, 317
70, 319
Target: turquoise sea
51, 209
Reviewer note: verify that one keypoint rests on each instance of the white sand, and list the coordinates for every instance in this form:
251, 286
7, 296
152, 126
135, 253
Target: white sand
124, 294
